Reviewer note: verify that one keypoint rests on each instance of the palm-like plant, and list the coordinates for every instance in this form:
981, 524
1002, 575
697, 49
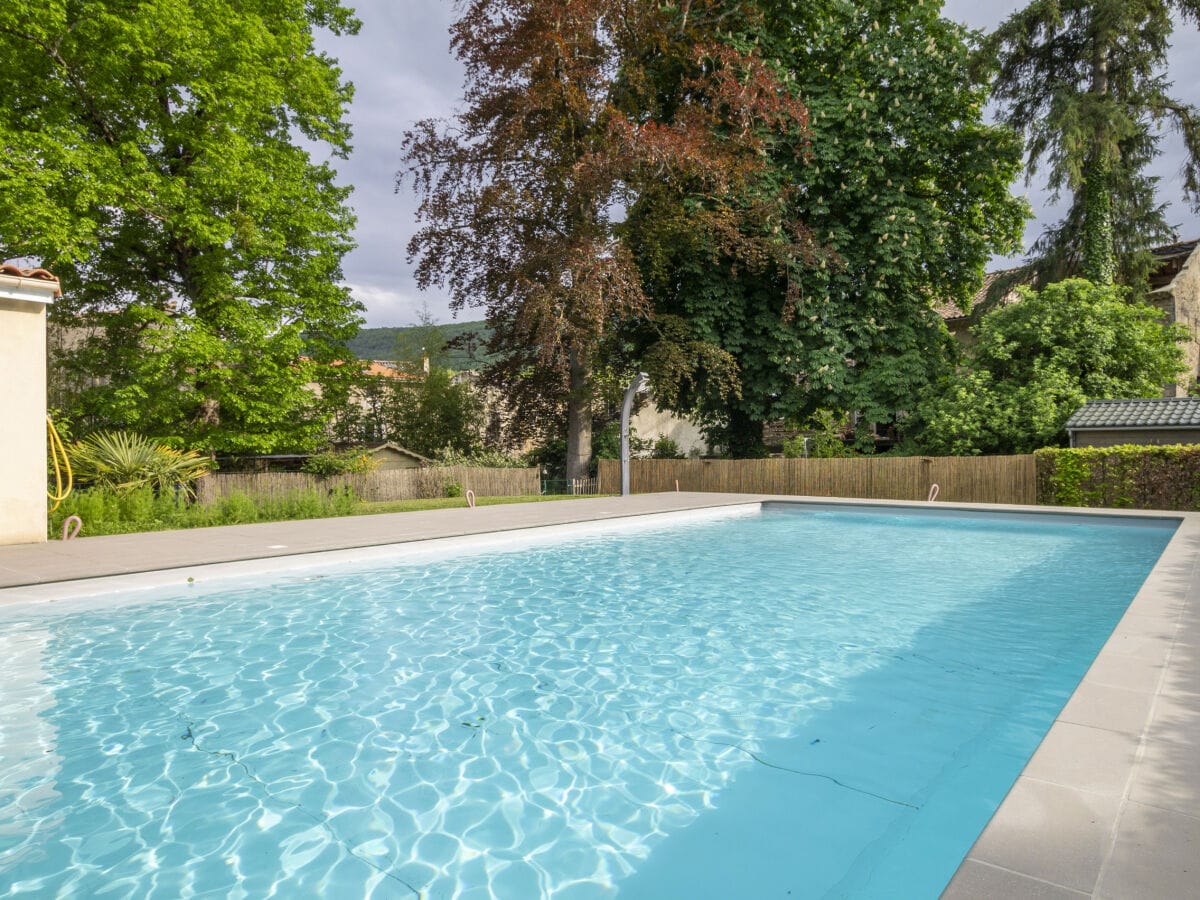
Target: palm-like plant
124, 461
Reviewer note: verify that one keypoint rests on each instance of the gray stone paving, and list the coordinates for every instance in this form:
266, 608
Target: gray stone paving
1108, 807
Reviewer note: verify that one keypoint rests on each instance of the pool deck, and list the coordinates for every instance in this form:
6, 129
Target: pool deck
1108, 807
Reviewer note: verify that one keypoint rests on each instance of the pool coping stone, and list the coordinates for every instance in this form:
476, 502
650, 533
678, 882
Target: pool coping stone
1108, 806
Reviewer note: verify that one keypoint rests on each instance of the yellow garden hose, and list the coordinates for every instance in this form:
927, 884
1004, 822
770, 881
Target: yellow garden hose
62, 465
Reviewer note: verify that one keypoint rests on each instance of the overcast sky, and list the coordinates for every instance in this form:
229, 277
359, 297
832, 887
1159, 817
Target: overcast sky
402, 71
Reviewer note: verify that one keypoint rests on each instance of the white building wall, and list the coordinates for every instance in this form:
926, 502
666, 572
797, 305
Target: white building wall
652, 423
23, 421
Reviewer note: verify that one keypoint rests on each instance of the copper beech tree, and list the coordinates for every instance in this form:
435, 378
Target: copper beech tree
572, 112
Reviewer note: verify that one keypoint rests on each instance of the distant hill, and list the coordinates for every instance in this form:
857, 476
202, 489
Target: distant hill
401, 343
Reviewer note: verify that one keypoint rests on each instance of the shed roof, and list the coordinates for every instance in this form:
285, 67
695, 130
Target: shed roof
1160, 412
396, 448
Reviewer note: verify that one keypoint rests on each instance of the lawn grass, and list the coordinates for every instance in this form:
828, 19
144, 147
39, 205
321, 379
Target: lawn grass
130, 512
395, 506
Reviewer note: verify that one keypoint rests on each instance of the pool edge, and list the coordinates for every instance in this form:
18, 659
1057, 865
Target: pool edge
1118, 823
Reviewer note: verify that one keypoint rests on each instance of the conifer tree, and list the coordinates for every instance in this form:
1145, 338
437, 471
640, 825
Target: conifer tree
1085, 81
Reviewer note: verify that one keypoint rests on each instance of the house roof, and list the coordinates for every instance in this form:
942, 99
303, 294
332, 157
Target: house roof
372, 367
1173, 412
14, 271
1171, 257
949, 310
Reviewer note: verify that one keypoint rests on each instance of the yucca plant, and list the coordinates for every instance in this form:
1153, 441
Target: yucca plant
125, 461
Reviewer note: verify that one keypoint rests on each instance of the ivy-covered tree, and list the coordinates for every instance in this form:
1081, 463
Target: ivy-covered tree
1036, 361
572, 111
900, 182
150, 155
1085, 81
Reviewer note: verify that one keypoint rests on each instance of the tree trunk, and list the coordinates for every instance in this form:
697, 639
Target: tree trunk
579, 416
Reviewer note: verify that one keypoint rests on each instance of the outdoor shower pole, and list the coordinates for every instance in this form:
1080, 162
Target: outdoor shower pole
626, 408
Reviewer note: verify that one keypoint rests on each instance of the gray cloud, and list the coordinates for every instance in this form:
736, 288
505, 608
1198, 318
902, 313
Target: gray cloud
402, 70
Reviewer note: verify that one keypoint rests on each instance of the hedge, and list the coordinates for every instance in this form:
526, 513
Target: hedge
1127, 476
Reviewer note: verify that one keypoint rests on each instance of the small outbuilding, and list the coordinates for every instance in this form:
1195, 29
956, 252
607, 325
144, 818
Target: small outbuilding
392, 456
1168, 420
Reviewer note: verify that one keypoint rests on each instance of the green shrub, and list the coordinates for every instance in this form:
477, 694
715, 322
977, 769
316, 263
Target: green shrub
1128, 476
820, 438
108, 511
124, 461
480, 459
329, 463
453, 489
666, 448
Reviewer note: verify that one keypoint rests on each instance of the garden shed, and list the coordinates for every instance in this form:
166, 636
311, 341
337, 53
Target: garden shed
1168, 420
392, 456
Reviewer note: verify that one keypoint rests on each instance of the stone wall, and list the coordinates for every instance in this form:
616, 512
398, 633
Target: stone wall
1180, 300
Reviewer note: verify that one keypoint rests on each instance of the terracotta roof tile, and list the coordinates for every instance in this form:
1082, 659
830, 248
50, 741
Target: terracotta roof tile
949, 310
14, 271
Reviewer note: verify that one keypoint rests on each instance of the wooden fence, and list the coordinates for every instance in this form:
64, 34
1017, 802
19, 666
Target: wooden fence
392, 484
965, 479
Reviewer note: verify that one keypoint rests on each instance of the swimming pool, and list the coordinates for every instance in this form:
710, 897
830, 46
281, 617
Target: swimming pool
816, 702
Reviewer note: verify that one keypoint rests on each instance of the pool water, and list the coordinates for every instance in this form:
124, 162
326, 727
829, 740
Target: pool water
787, 703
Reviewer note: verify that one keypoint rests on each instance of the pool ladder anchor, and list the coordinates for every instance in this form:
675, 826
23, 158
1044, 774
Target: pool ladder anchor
933, 493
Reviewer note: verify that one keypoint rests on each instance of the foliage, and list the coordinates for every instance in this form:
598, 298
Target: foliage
435, 414
551, 458
150, 154
422, 342
452, 488
571, 113
899, 182
820, 438
607, 443
123, 461
1126, 476
107, 511
666, 448
1085, 81
1037, 361
328, 463
480, 459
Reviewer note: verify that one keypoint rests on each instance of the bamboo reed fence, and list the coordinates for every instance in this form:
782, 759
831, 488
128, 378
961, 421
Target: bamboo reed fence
963, 479
391, 484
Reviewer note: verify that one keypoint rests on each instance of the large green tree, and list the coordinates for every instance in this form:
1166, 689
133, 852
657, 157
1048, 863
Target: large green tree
154, 155
1035, 362
436, 414
903, 189
572, 111
1085, 81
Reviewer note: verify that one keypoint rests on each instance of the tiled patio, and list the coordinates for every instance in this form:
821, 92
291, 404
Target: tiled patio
1109, 806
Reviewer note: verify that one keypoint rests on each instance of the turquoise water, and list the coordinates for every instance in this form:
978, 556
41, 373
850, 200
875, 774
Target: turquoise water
781, 704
